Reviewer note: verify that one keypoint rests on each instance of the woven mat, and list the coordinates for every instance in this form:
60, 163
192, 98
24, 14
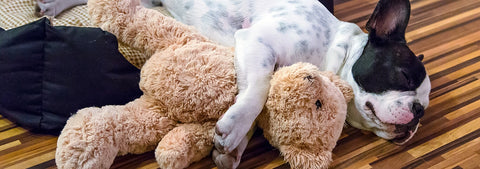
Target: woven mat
15, 13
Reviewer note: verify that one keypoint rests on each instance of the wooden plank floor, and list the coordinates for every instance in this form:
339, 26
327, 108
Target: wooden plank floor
446, 31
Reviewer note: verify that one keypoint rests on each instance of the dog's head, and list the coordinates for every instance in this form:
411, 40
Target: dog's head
393, 86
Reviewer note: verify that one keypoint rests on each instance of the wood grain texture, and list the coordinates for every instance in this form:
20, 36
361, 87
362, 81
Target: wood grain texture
446, 31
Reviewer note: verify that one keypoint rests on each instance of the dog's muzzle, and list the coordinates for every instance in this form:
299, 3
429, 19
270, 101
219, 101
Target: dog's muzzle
406, 131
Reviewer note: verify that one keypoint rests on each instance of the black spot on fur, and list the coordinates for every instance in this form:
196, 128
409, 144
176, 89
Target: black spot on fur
270, 60
189, 4
293, 1
283, 14
343, 45
274, 9
301, 46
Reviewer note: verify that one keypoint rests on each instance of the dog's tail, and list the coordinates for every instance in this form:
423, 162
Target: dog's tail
141, 28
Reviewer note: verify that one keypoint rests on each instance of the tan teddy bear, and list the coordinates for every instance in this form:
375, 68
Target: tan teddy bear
188, 83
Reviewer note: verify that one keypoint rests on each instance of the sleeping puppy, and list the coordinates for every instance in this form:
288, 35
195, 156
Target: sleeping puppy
390, 83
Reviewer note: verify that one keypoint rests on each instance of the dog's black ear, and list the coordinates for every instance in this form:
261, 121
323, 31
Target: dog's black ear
389, 20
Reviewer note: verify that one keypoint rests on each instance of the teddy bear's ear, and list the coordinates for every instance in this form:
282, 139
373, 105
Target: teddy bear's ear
344, 87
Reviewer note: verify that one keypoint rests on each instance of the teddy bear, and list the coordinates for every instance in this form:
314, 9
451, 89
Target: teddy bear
304, 114
188, 83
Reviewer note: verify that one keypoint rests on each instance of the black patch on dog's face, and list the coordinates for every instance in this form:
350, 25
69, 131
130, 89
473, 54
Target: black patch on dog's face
388, 66
386, 62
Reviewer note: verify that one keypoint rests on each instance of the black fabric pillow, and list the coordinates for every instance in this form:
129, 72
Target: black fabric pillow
47, 73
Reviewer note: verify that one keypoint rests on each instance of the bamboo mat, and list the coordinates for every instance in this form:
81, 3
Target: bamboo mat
447, 32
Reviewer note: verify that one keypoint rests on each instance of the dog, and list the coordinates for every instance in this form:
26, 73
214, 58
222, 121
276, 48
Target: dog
390, 83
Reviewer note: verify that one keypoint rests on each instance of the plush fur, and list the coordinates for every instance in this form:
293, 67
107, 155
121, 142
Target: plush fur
188, 83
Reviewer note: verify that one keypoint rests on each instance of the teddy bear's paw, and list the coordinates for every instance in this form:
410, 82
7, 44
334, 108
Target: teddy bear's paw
74, 152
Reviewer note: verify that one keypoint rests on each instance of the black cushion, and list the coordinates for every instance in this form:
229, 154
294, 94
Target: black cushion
47, 73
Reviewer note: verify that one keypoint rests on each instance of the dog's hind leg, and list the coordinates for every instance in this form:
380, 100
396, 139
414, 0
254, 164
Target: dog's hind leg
151, 3
55, 7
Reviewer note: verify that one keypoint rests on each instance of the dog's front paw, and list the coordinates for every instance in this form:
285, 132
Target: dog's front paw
229, 132
227, 135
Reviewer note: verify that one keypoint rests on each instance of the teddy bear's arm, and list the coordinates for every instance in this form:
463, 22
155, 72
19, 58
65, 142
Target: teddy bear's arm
139, 27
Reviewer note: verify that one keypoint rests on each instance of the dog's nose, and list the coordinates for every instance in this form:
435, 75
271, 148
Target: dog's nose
417, 110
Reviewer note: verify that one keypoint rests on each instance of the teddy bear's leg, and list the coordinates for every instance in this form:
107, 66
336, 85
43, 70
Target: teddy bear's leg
143, 125
184, 145
93, 137
306, 158
85, 145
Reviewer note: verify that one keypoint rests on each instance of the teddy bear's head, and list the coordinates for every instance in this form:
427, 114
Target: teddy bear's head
305, 113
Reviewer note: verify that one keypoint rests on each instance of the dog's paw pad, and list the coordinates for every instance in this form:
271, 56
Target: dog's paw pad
228, 135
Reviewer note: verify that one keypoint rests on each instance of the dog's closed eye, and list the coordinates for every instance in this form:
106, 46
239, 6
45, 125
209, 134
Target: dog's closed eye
407, 80
318, 104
